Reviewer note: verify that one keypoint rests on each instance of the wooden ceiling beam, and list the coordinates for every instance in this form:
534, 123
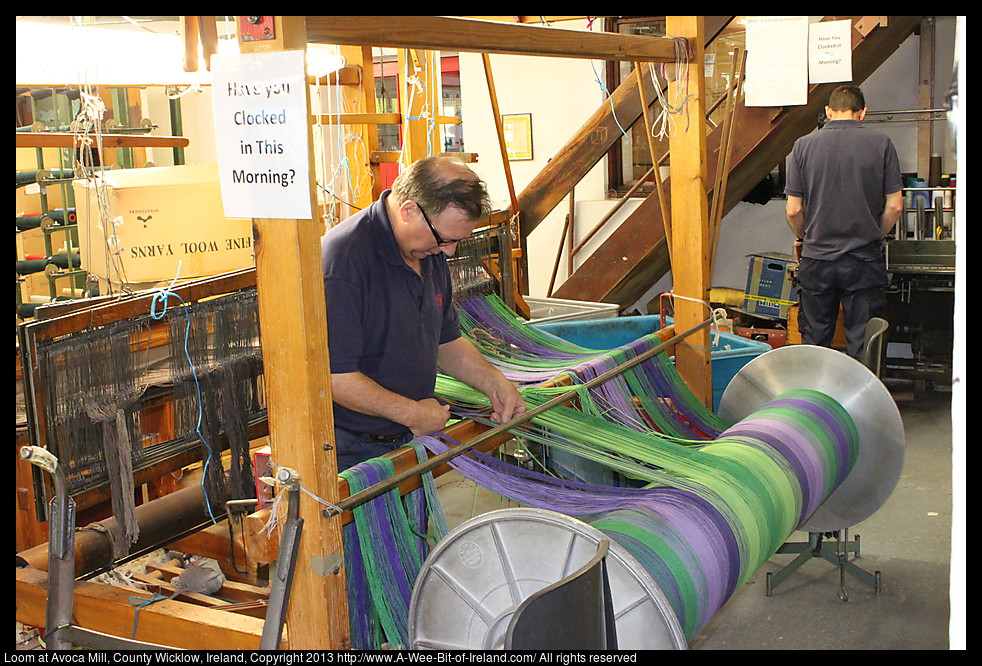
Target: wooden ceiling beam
461, 34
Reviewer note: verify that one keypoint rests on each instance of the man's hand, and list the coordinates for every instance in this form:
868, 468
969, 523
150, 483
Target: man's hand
461, 360
892, 210
429, 416
506, 403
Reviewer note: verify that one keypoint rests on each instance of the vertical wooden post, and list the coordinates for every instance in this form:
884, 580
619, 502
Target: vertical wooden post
690, 211
414, 64
293, 323
366, 177
434, 92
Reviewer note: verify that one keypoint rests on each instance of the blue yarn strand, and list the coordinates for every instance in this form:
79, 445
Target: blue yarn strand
164, 295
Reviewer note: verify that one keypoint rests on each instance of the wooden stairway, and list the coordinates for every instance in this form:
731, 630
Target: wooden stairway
635, 255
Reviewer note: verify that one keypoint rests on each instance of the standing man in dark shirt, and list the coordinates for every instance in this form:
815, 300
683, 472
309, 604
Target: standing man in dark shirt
844, 197
390, 314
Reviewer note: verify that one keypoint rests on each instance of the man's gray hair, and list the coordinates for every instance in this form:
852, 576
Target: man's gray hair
439, 181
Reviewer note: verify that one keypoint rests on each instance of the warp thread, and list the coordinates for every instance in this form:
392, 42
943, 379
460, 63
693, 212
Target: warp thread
108, 406
384, 550
716, 511
652, 394
116, 451
93, 381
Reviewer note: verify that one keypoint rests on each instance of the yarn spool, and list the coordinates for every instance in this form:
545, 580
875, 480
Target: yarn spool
686, 549
474, 580
881, 430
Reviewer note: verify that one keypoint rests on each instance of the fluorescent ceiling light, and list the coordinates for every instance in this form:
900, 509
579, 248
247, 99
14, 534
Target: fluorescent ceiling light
59, 55
72, 55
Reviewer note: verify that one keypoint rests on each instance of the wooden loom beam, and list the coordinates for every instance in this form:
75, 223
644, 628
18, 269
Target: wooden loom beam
459, 34
168, 622
67, 140
297, 427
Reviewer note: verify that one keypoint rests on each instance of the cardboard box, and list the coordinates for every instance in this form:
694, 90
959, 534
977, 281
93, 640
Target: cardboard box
770, 290
162, 217
794, 333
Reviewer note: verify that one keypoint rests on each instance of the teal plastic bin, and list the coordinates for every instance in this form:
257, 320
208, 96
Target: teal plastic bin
730, 353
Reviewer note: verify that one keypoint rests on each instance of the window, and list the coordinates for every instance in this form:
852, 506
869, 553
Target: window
630, 158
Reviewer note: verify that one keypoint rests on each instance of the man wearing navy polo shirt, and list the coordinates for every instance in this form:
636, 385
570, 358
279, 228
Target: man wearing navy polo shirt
391, 320
844, 197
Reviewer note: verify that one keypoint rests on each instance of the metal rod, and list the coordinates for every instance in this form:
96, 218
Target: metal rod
382, 487
61, 550
890, 113
281, 587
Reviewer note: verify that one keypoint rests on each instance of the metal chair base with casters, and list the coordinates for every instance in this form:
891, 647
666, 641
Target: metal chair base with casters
840, 557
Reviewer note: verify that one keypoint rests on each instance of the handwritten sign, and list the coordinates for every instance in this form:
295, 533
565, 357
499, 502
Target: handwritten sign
261, 124
830, 51
777, 60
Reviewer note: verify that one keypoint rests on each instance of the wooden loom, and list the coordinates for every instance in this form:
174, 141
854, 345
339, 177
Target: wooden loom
244, 600
296, 367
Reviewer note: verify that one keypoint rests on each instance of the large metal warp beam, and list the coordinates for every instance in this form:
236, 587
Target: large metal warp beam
680, 550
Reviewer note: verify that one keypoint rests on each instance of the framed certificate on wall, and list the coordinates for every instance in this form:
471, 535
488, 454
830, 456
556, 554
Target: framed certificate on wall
517, 128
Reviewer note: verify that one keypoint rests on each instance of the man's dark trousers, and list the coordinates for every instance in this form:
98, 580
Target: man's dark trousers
855, 283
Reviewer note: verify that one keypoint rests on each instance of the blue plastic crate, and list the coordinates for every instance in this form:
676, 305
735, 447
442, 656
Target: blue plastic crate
730, 352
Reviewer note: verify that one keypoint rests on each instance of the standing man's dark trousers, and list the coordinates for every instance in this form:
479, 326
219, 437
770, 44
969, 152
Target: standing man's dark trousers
857, 284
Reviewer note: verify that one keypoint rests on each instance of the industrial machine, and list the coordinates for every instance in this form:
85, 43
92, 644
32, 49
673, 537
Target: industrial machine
921, 295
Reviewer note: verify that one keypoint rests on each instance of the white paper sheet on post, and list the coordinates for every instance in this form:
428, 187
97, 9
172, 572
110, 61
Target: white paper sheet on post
777, 60
830, 51
261, 125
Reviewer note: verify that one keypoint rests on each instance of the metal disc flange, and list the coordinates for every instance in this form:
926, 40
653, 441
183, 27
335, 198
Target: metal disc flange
880, 461
478, 575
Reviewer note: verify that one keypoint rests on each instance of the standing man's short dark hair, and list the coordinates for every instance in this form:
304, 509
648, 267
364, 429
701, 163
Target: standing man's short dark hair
847, 98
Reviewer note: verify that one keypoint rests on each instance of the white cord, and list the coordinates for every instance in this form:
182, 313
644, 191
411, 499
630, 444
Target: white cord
716, 315
665, 122
273, 520
89, 122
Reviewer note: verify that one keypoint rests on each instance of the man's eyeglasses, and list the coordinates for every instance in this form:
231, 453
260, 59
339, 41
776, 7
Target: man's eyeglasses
439, 241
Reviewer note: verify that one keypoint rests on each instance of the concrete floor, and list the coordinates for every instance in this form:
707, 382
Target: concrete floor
908, 540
